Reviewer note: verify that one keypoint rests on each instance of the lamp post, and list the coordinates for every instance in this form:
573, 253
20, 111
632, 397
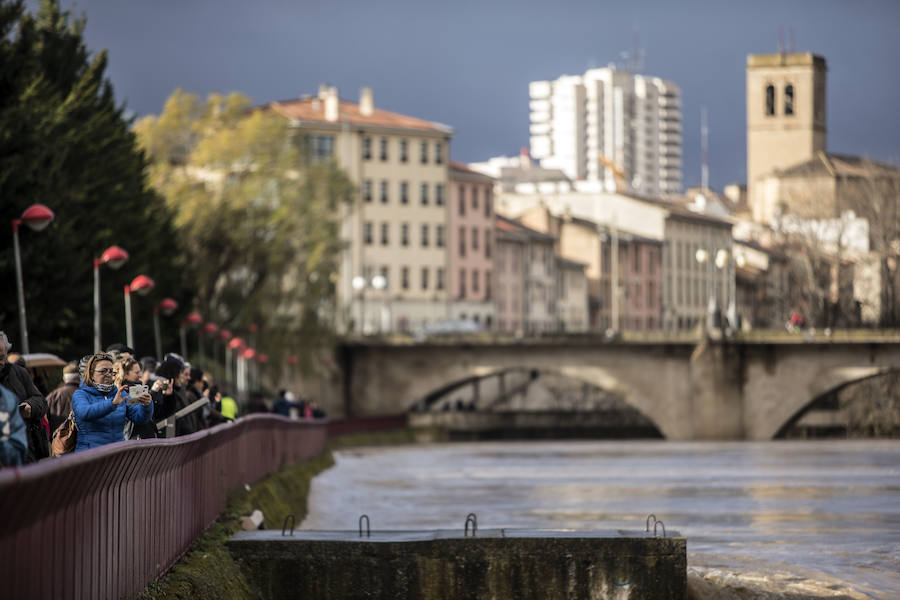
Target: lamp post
210, 329
140, 285
115, 257
166, 306
225, 337
379, 282
37, 217
359, 284
192, 319
234, 347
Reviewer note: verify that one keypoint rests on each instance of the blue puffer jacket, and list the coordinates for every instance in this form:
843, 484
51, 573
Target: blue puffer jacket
99, 420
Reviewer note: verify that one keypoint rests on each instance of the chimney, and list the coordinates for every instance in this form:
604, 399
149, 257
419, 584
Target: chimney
366, 102
332, 104
524, 158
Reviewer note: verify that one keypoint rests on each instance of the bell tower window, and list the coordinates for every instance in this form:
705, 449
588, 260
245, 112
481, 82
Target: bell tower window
770, 100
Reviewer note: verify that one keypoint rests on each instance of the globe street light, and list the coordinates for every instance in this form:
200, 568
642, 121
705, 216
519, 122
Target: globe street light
37, 217
379, 282
166, 306
140, 285
115, 257
359, 284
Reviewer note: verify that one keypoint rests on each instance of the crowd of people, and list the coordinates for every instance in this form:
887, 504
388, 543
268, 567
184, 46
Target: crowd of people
112, 396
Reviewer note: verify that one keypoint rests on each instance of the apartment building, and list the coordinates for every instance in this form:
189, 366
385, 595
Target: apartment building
526, 282
609, 127
638, 305
571, 296
470, 250
393, 272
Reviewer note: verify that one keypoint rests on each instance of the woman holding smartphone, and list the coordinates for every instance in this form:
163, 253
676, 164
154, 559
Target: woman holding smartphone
102, 408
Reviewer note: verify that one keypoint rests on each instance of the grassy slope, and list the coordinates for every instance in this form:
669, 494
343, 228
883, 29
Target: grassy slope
207, 571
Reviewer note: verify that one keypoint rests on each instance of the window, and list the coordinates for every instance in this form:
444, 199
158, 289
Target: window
487, 285
487, 202
438, 153
439, 236
487, 243
367, 190
439, 194
403, 150
318, 147
384, 191
424, 278
462, 241
474, 238
462, 199
474, 197
770, 100
423, 155
424, 235
439, 284
423, 194
462, 283
404, 192
367, 233
637, 258
789, 99
385, 228
383, 149
475, 280
404, 278
367, 148
387, 280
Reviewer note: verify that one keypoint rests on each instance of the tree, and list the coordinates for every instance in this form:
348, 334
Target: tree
64, 142
259, 221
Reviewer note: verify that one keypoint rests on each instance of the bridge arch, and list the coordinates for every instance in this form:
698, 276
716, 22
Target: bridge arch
857, 375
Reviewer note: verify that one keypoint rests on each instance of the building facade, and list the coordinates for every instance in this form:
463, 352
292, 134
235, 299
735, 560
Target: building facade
785, 118
611, 127
470, 249
396, 228
525, 267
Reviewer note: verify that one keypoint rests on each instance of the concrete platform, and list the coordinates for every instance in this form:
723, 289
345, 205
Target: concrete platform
445, 564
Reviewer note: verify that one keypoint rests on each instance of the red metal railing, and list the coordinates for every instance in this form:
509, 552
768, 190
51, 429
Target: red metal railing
104, 523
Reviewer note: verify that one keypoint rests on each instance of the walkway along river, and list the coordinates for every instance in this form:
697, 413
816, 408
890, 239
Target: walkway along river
791, 517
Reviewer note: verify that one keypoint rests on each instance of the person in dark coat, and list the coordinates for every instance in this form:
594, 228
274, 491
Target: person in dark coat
32, 405
13, 437
59, 401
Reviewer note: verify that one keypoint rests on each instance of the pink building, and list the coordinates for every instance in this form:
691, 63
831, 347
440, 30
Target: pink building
470, 249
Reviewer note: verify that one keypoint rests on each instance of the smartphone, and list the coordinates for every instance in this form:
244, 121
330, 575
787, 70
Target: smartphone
134, 391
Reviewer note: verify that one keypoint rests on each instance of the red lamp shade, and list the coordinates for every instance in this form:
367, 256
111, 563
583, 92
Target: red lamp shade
235, 343
248, 354
114, 256
37, 216
210, 328
142, 285
262, 358
225, 335
193, 318
253, 327
293, 359
167, 306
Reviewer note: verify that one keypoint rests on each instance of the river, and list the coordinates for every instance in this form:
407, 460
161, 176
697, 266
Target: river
788, 518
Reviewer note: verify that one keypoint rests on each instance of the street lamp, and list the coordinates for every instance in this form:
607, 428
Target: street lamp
166, 306
379, 282
192, 319
359, 284
37, 217
115, 257
140, 285
209, 329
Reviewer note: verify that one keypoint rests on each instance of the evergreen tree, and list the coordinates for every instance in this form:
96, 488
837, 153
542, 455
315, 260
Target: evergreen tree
65, 143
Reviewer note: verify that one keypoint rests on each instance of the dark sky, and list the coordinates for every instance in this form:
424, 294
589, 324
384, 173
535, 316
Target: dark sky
468, 63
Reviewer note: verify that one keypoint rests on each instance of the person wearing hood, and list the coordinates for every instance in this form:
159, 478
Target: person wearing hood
32, 405
102, 409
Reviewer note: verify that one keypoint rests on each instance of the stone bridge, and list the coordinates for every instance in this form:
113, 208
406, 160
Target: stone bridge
690, 389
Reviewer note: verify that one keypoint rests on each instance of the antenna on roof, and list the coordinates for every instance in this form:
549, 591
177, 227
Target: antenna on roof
704, 150
792, 43
780, 39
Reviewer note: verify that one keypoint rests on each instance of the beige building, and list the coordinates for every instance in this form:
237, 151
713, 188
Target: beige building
396, 229
785, 118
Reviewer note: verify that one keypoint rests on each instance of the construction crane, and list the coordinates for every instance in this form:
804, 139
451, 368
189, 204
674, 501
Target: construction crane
618, 173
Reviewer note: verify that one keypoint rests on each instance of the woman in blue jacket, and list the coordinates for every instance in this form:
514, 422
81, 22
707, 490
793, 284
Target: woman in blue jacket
101, 409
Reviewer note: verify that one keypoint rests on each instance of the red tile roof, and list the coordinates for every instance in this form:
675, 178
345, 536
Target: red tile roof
313, 109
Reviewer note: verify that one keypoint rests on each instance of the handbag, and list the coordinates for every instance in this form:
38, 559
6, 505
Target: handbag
65, 437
